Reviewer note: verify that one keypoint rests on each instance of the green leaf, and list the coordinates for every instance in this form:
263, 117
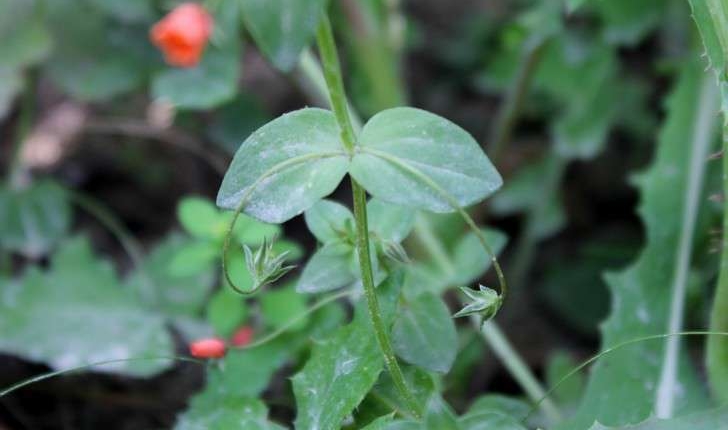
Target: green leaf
86, 61
628, 22
209, 84
424, 334
626, 386
78, 313
226, 311
411, 157
175, 292
33, 219
286, 166
389, 222
127, 11
248, 372
711, 37
439, 415
282, 28
200, 218
329, 221
192, 257
235, 121
340, 372
279, 306
710, 420
211, 410
560, 364
25, 41
495, 412
331, 267
380, 423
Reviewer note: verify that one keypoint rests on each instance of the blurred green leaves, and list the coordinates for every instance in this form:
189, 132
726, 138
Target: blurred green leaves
78, 313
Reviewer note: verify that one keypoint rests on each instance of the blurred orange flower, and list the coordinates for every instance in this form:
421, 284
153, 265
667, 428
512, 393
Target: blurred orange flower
183, 34
208, 348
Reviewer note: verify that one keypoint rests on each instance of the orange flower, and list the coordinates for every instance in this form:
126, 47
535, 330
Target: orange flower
183, 34
242, 336
208, 348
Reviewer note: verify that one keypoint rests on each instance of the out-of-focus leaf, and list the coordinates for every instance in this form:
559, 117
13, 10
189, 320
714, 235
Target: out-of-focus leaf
623, 385
33, 219
711, 420
279, 306
559, 365
226, 311
174, 293
128, 10
211, 410
282, 28
626, 21
209, 84
439, 415
495, 412
340, 372
471, 260
86, 61
429, 145
78, 313
424, 334
192, 257
309, 135
26, 41
235, 121
201, 218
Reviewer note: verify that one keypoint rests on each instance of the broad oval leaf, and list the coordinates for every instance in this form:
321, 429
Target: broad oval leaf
331, 267
214, 410
388, 221
424, 334
293, 161
328, 220
401, 146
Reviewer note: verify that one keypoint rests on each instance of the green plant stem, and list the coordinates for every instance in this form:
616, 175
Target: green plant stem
311, 79
380, 329
517, 367
513, 103
527, 241
335, 82
337, 96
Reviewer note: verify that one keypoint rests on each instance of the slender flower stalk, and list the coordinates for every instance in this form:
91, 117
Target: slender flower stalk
337, 96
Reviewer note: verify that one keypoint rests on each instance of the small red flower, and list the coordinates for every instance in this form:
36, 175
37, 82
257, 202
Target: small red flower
208, 348
242, 336
183, 34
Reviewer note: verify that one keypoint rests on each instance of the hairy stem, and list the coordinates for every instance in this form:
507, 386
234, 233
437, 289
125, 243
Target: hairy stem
337, 96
